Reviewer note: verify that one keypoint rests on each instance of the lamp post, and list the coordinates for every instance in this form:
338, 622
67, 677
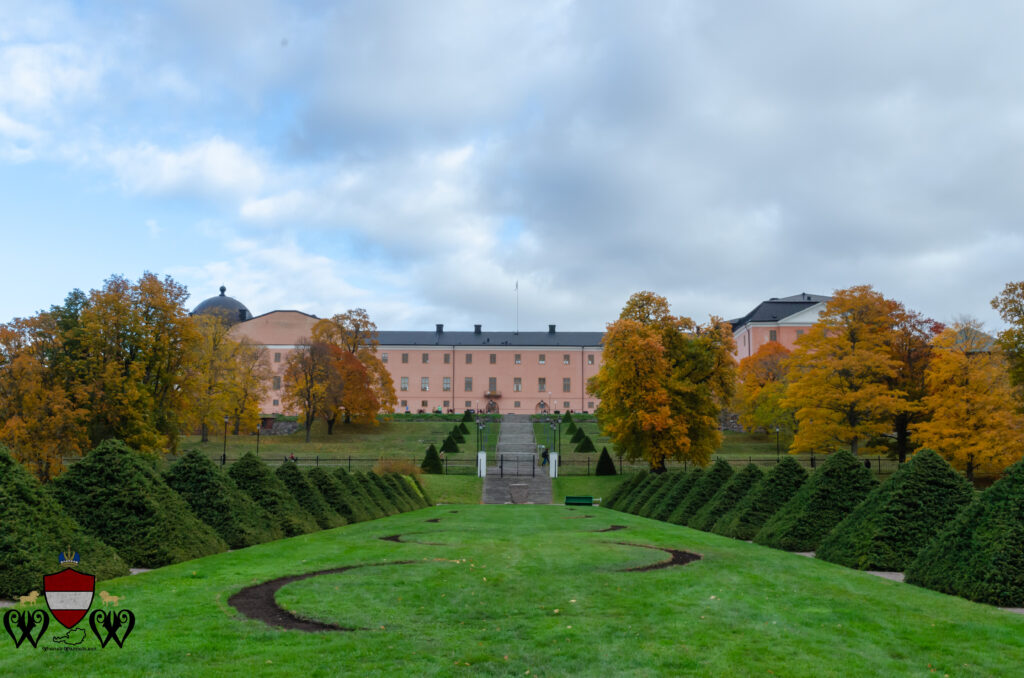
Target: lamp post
224, 456
258, 427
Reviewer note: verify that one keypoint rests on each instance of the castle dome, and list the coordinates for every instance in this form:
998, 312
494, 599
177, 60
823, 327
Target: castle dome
230, 309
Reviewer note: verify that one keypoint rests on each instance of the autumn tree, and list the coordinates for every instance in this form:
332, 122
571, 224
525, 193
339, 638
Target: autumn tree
359, 386
305, 381
761, 386
110, 364
841, 374
662, 382
1010, 305
910, 345
974, 422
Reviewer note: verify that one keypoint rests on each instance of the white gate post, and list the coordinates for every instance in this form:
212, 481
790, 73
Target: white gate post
554, 464
481, 464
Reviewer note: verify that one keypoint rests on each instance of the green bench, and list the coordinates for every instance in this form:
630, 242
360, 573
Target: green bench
579, 501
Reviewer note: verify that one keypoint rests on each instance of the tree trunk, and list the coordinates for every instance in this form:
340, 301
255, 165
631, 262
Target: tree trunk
902, 424
969, 471
309, 426
330, 424
205, 432
854, 445
238, 423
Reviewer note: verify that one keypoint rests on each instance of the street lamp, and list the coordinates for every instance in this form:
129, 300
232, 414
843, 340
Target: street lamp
479, 434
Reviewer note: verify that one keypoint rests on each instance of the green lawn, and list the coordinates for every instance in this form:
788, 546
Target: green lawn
594, 486
506, 590
453, 489
398, 439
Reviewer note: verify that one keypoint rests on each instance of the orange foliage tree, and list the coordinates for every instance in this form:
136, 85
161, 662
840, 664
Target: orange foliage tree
305, 381
662, 382
761, 386
842, 373
359, 385
974, 423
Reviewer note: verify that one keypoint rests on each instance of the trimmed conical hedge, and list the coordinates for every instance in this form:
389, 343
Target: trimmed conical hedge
639, 494
820, 504
605, 465
36, 529
399, 494
586, 446
257, 480
308, 496
456, 435
566, 418
623, 489
466, 416
701, 492
737, 487
116, 494
463, 429
377, 493
764, 499
217, 501
422, 490
677, 494
337, 496
406, 485
571, 429
354, 486
432, 461
979, 555
655, 500
448, 446
898, 518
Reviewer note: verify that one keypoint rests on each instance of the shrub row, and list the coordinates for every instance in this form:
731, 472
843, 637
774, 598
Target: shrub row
925, 519
117, 510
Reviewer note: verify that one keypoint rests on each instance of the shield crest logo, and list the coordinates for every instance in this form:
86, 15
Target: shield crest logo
68, 595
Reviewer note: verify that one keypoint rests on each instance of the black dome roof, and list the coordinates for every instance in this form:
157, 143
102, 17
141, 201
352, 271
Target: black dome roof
230, 309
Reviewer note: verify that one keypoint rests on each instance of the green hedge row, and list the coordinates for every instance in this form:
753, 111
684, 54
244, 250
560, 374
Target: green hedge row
117, 510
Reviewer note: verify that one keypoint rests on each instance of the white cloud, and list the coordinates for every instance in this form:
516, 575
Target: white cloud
215, 168
37, 77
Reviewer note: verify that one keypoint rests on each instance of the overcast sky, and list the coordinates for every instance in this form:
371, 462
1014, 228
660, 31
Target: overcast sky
419, 158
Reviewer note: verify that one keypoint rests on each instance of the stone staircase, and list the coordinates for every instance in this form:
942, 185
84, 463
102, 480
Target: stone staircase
518, 479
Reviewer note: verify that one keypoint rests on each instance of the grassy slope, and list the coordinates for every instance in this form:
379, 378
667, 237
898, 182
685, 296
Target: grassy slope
396, 439
539, 591
453, 489
595, 486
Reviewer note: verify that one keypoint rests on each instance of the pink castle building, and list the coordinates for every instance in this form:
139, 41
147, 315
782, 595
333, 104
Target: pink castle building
524, 372
519, 372
783, 320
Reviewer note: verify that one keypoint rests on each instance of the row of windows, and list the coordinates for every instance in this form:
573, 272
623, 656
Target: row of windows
469, 404
516, 358
492, 384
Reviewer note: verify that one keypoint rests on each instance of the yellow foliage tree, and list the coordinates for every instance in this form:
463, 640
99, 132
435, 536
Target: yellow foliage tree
662, 382
974, 422
841, 374
761, 386
306, 379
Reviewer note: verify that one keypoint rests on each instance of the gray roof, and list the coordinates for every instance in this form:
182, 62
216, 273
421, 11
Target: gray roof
497, 339
776, 309
230, 309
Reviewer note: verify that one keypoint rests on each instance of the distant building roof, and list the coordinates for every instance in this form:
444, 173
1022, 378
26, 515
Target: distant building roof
775, 309
486, 339
230, 309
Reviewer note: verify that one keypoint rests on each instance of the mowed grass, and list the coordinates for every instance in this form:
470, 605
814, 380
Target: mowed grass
452, 489
389, 439
508, 590
594, 486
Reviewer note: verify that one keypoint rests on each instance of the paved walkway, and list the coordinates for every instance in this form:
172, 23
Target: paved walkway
523, 482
